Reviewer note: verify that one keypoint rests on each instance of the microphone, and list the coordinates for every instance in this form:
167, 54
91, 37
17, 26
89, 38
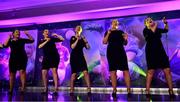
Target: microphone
164, 20
167, 46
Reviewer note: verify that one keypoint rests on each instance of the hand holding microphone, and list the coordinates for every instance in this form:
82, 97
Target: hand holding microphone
125, 36
164, 20
77, 37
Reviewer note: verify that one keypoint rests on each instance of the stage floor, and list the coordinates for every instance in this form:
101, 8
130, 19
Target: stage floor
34, 94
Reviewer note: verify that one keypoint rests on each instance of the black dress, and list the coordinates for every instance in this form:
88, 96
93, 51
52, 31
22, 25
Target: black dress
116, 54
155, 54
18, 57
51, 56
77, 60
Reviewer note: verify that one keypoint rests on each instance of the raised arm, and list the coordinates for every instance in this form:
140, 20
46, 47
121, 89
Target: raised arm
125, 36
105, 39
166, 27
74, 42
31, 39
165, 23
43, 43
59, 37
86, 42
6, 44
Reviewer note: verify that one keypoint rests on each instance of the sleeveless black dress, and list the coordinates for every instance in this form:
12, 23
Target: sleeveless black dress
51, 57
77, 60
18, 57
116, 54
155, 54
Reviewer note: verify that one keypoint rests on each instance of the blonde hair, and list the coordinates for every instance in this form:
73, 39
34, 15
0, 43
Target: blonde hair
115, 20
79, 26
145, 20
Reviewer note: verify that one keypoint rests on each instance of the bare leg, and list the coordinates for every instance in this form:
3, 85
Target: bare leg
55, 77
114, 80
168, 76
23, 79
127, 80
148, 80
73, 78
44, 77
11, 81
86, 77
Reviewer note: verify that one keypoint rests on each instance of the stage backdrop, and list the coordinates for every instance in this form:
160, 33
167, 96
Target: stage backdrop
96, 56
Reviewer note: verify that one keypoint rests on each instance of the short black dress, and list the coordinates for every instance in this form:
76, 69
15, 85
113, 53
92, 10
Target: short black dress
116, 54
18, 57
77, 60
155, 54
51, 56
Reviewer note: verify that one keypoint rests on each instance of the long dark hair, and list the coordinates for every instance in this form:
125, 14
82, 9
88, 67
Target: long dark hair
14, 32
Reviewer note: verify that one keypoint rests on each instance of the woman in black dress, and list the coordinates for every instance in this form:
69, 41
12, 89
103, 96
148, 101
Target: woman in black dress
50, 57
155, 54
77, 60
18, 57
116, 55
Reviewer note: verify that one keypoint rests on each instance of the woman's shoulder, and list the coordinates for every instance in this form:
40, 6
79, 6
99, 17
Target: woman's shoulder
120, 31
145, 29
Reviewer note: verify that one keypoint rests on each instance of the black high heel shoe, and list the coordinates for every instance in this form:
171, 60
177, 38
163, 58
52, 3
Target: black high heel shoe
148, 95
114, 93
10, 92
171, 93
71, 92
22, 90
129, 92
55, 92
45, 91
89, 91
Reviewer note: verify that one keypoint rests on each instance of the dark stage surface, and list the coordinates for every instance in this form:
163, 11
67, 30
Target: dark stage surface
64, 96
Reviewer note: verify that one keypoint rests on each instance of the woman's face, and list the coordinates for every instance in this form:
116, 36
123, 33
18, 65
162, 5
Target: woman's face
78, 30
46, 33
149, 22
115, 23
16, 34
